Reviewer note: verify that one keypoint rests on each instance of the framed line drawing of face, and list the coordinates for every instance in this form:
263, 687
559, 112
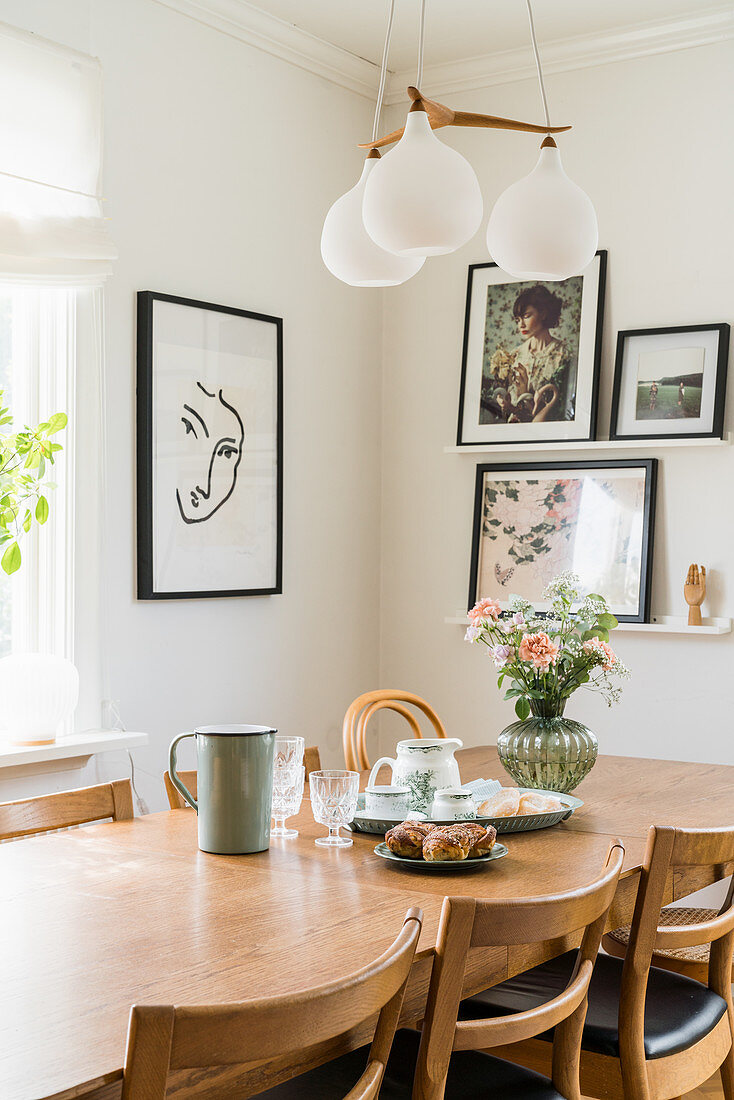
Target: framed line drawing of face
531, 356
210, 450
534, 520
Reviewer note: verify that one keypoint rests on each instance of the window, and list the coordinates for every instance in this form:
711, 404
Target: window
55, 253
37, 372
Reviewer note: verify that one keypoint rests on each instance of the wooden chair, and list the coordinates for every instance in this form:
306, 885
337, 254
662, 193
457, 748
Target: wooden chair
445, 1060
311, 762
165, 1039
60, 811
354, 730
650, 1033
691, 961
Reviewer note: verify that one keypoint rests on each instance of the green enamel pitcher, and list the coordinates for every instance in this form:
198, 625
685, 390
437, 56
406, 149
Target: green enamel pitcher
234, 786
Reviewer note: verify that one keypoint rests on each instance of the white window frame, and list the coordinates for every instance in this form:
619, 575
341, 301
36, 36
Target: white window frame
44, 382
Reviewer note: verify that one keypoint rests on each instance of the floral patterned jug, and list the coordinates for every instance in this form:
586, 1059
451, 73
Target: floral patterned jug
425, 765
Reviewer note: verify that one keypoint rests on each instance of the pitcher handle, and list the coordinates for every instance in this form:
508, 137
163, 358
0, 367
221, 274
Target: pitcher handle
383, 760
182, 790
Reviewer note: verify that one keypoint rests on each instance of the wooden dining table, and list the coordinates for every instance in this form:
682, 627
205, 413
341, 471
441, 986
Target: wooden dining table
99, 918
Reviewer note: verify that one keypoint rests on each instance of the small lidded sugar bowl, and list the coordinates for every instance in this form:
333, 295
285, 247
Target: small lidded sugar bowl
453, 804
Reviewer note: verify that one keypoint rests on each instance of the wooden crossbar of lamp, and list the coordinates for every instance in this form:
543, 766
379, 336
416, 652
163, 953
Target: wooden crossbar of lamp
440, 115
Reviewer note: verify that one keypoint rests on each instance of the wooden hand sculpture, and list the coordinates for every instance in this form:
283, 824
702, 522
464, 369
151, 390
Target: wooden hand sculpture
694, 591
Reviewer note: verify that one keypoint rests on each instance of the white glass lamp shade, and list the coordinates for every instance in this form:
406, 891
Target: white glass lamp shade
37, 693
543, 226
350, 254
422, 198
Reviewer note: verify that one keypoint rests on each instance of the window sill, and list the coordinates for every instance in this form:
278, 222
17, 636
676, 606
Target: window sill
69, 752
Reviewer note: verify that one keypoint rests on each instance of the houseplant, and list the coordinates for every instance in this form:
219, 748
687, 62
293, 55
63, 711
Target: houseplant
23, 459
546, 657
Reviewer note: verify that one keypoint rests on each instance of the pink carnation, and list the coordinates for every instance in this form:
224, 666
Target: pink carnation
538, 650
596, 645
485, 609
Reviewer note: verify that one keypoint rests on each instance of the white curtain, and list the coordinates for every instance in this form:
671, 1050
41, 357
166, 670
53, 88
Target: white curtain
51, 216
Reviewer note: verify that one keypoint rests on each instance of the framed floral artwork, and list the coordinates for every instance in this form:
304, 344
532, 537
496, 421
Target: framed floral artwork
531, 356
533, 521
210, 450
670, 382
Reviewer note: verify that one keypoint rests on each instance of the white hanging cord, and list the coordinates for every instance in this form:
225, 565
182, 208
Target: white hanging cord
537, 65
383, 72
421, 41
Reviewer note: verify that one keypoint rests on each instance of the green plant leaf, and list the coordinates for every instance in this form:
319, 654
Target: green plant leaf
27, 520
10, 560
522, 709
56, 423
41, 509
608, 621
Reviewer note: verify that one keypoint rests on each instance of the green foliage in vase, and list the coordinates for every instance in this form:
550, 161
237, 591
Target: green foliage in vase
24, 456
548, 656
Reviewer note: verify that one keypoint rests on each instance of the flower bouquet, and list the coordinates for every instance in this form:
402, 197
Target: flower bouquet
546, 657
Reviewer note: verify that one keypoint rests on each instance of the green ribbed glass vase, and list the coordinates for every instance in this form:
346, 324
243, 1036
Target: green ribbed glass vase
547, 751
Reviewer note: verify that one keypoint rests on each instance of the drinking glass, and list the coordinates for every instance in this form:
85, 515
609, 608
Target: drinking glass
334, 801
288, 750
287, 796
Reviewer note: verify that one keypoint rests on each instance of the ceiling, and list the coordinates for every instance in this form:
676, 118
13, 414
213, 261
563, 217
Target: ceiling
457, 29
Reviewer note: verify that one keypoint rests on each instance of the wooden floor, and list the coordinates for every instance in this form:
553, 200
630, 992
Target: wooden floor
712, 1090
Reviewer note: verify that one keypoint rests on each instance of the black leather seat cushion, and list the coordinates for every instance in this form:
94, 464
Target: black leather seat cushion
678, 1011
472, 1074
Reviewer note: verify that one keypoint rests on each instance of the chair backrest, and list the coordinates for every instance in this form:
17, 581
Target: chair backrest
354, 730
470, 923
175, 800
669, 849
164, 1039
60, 811
311, 762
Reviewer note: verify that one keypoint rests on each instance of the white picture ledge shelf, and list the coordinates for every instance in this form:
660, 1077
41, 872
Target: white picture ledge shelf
661, 624
68, 752
598, 447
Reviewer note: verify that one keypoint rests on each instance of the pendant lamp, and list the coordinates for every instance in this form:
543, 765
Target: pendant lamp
423, 198
346, 249
544, 226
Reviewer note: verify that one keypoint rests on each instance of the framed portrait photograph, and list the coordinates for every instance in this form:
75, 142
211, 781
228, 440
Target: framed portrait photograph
210, 450
531, 357
535, 520
670, 382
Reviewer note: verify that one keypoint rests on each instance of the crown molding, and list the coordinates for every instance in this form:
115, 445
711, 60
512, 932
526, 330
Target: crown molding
290, 43
564, 55
265, 32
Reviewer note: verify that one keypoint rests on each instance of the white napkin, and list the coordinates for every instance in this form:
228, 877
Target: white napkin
482, 789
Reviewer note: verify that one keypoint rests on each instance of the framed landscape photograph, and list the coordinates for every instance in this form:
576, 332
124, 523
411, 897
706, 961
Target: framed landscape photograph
531, 356
670, 382
210, 450
535, 520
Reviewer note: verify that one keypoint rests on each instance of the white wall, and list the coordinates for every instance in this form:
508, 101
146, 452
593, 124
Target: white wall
650, 144
220, 164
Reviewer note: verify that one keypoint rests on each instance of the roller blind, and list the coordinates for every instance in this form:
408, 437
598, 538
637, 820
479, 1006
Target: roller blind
51, 216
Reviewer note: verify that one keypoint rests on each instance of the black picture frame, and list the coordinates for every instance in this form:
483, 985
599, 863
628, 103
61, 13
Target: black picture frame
146, 589
719, 402
541, 437
650, 465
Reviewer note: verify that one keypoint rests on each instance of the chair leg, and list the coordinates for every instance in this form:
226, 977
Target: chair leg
726, 1069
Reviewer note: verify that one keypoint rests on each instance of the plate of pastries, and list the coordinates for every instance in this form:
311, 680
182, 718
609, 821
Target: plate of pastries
522, 809
426, 846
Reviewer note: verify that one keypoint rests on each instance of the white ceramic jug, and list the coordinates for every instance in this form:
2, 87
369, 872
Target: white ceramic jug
425, 765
